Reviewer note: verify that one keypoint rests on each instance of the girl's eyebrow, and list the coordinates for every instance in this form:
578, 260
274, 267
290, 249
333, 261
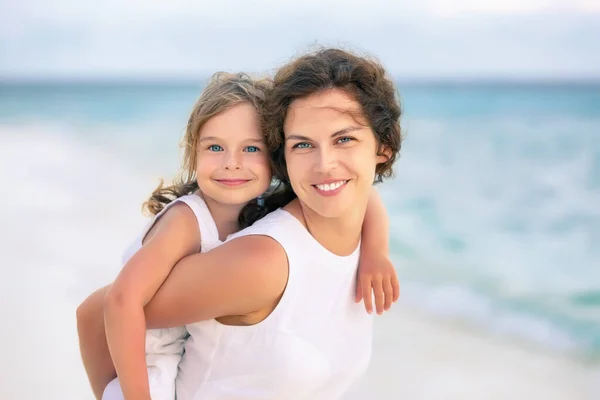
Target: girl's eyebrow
208, 138
212, 138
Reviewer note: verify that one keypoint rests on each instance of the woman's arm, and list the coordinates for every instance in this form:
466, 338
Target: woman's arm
244, 275
174, 236
375, 270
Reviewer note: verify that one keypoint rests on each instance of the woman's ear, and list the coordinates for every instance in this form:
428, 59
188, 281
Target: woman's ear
384, 154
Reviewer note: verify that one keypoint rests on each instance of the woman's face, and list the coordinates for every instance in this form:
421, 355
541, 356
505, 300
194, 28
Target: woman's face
331, 155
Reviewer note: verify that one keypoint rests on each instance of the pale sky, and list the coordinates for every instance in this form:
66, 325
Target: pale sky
431, 39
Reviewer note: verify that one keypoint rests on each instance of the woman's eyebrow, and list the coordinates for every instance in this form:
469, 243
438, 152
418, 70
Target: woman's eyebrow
333, 135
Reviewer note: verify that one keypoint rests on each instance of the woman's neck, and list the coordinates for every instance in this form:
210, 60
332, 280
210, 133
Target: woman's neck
339, 235
225, 216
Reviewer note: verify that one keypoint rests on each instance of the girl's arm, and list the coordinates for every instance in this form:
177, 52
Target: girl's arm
375, 270
174, 236
241, 276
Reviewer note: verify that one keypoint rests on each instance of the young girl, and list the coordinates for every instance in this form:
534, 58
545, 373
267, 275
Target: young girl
223, 188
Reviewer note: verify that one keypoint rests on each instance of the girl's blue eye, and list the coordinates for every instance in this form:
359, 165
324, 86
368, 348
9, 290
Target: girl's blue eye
215, 147
252, 149
344, 140
301, 145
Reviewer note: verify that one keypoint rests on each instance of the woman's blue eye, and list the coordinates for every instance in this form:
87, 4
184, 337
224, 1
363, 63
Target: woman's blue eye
344, 140
252, 149
215, 147
302, 145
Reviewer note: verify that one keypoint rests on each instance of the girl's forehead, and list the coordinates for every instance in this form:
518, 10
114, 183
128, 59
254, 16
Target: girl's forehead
238, 122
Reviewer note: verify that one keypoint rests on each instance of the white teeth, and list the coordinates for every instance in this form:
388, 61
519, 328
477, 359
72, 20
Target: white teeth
326, 187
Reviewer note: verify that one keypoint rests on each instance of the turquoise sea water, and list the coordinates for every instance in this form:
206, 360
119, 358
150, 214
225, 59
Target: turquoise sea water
495, 205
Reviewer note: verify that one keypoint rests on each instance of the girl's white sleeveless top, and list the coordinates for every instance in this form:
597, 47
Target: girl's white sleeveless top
314, 345
164, 347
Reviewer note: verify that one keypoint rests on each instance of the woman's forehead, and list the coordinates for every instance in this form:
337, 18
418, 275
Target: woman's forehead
330, 98
326, 110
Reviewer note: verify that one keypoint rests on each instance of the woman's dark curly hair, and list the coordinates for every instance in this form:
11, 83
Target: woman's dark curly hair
362, 78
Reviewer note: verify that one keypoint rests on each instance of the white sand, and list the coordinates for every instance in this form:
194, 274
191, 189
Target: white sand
417, 356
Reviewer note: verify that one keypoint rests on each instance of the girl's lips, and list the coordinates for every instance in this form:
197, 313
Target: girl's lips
232, 182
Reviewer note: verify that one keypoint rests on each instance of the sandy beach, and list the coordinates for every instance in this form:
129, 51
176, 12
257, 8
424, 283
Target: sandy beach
419, 356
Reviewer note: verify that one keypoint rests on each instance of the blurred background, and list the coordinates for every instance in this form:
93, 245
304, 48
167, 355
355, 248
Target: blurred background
495, 207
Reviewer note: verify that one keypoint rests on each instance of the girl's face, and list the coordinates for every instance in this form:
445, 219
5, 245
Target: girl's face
232, 163
331, 158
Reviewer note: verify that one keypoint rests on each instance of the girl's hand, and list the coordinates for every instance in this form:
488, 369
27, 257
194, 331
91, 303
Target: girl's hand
377, 278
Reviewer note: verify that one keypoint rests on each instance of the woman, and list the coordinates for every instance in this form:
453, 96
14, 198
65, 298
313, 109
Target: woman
332, 125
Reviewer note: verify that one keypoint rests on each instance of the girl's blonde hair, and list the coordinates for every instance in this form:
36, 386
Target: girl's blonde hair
224, 90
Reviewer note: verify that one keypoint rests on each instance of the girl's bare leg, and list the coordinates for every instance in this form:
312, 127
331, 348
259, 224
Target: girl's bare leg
92, 342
